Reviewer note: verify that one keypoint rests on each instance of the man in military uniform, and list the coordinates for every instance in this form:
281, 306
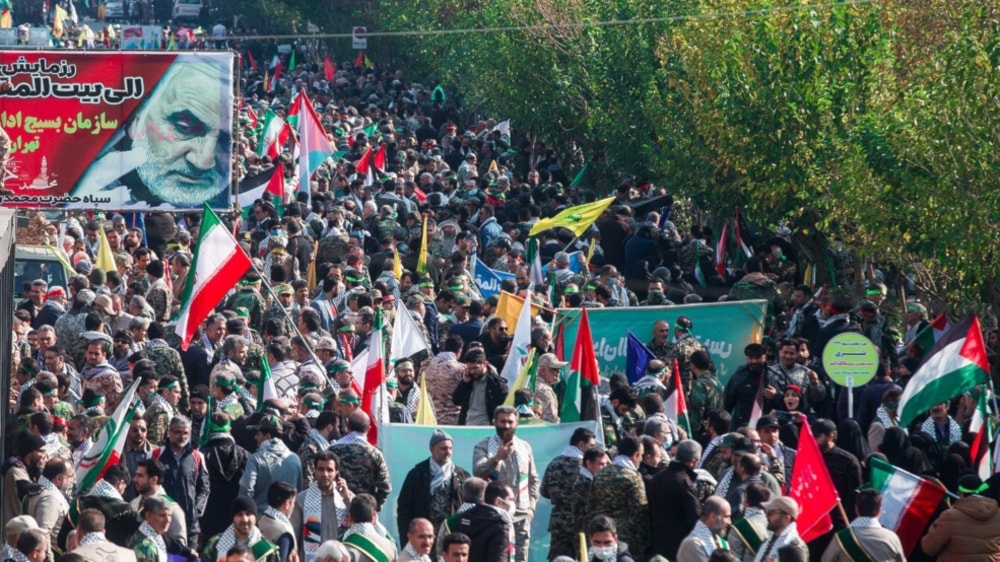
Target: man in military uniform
756, 285
684, 345
249, 297
557, 485
281, 310
361, 465
619, 492
706, 391
595, 460
147, 541
162, 408
654, 381
168, 360
660, 344
227, 397
619, 414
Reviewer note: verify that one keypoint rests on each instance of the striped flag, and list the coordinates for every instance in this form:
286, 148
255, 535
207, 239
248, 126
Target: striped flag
314, 147
979, 452
374, 379
107, 450
758, 404
675, 405
908, 501
720, 251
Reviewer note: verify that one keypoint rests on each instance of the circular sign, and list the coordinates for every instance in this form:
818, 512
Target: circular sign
850, 359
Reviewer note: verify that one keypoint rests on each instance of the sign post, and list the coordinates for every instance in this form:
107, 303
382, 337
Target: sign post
358, 39
850, 359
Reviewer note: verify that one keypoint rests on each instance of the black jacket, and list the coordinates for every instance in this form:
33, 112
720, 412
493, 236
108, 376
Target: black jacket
673, 508
488, 531
186, 481
739, 395
225, 461
496, 393
415, 496
121, 520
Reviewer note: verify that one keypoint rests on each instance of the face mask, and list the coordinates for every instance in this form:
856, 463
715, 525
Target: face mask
604, 552
613, 282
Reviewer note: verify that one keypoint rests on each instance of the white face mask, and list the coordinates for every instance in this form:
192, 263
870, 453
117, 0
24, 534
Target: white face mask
604, 552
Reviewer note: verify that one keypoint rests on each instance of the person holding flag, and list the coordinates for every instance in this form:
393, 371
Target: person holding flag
743, 390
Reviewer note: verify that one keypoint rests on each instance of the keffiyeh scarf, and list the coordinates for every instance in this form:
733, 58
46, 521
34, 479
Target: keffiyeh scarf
161, 545
103, 489
572, 451
521, 457
414, 556
709, 541
312, 519
441, 474
46, 484
228, 540
353, 438
320, 441
622, 460
92, 538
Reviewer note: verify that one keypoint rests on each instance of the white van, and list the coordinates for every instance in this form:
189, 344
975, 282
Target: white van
37, 262
187, 10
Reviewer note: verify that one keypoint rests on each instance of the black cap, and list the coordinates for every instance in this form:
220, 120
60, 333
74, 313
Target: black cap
241, 504
743, 445
823, 426
767, 421
754, 350
201, 391
31, 443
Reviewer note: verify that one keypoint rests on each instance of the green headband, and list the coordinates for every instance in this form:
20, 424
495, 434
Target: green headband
873, 292
169, 385
98, 400
425, 284
403, 363
312, 404
352, 279
392, 384
455, 287
212, 428
346, 328
982, 488
349, 400
29, 370
571, 291
338, 367
226, 383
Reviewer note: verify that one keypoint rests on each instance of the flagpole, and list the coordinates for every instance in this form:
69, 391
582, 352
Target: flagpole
287, 314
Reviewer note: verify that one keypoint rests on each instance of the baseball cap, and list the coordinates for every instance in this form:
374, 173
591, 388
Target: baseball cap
550, 360
767, 421
783, 504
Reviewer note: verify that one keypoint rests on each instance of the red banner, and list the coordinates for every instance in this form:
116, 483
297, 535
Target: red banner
121, 130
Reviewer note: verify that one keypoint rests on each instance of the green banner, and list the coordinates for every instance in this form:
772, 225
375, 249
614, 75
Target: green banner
724, 328
406, 445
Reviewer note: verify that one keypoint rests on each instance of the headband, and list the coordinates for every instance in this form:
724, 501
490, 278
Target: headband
229, 384
982, 488
97, 400
168, 386
349, 400
212, 428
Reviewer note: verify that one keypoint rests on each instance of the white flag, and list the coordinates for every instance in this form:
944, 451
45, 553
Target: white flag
519, 344
407, 339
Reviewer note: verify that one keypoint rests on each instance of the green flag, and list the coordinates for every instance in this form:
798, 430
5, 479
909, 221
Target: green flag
265, 386
291, 62
580, 175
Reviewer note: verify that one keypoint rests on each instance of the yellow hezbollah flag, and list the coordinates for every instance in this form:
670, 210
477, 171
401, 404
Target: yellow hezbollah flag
422, 260
311, 270
576, 218
509, 308
57, 23
397, 265
425, 408
105, 260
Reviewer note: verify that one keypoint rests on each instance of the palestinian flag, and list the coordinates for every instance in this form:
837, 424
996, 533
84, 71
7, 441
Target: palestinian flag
955, 364
219, 263
908, 501
979, 452
930, 335
107, 450
580, 397
269, 184
365, 167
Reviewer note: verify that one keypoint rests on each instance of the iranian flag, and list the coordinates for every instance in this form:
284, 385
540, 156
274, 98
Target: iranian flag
219, 263
373, 391
107, 450
908, 501
675, 405
955, 364
276, 134
580, 396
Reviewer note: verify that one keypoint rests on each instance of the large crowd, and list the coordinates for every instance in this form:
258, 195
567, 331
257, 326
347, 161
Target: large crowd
210, 469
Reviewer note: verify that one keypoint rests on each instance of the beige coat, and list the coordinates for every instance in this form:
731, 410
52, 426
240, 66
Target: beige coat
968, 532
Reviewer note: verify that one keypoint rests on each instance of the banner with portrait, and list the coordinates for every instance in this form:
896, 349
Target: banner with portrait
121, 130
724, 329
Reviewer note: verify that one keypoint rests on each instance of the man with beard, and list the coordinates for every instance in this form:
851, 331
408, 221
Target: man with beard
78, 434
46, 501
148, 479
198, 411
168, 362
106, 497
320, 437
404, 408
362, 465
162, 408
320, 512
186, 479
781, 515
480, 392
225, 462
741, 390
137, 448
21, 471
709, 532
787, 371
234, 351
432, 489
99, 375
176, 150
508, 459
281, 310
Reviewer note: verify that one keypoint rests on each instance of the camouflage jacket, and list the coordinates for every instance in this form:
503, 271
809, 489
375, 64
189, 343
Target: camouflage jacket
276, 313
705, 395
682, 351
365, 470
248, 298
168, 362
619, 493
557, 482
758, 286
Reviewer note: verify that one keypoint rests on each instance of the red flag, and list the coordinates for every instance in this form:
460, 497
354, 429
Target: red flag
253, 62
360, 61
379, 160
363, 163
812, 487
329, 69
276, 185
676, 406
277, 75
421, 196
